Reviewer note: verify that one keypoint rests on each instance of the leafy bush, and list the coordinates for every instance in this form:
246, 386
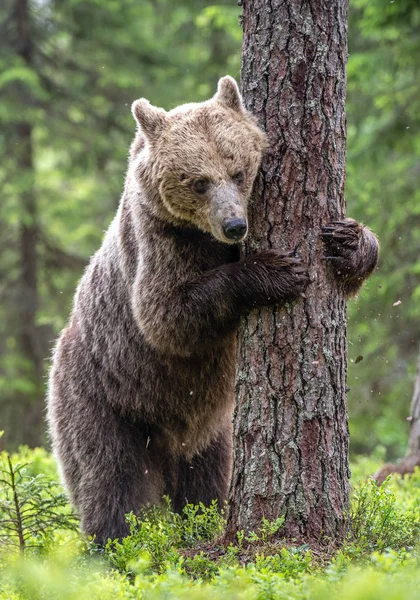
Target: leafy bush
291, 563
159, 532
377, 522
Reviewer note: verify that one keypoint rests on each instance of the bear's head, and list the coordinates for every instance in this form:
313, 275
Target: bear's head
198, 162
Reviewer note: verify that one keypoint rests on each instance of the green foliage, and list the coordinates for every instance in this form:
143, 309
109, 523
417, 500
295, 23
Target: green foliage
291, 563
265, 531
200, 523
377, 521
31, 507
383, 179
160, 537
159, 533
168, 556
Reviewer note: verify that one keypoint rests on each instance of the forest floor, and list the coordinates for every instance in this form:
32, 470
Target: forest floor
169, 557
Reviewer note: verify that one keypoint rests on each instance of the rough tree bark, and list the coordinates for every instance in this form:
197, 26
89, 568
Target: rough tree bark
412, 458
290, 424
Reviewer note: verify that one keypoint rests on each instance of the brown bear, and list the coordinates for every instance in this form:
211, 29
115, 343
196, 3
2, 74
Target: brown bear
142, 385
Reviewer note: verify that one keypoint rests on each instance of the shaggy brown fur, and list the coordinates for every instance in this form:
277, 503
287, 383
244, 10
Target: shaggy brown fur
142, 385
353, 250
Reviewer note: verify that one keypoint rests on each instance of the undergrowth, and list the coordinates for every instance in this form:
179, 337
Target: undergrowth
170, 556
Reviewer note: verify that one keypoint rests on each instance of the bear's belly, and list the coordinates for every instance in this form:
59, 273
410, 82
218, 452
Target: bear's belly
191, 398
186, 401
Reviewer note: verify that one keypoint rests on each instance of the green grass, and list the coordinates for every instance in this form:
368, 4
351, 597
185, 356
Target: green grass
167, 556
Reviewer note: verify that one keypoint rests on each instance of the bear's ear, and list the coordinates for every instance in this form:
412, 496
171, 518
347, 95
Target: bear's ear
228, 94
151, 119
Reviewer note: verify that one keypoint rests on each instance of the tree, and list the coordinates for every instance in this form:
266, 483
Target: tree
26, 292
290, 423
412, 458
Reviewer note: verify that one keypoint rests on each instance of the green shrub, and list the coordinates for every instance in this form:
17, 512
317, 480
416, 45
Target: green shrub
378, 522
291, 563
169, 556
201, 566
160, 533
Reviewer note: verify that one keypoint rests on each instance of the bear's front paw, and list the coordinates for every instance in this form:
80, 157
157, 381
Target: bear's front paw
282, 276
352, 250
342, 240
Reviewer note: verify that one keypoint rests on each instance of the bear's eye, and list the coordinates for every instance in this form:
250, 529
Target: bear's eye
239, 177
201, 185
182, 177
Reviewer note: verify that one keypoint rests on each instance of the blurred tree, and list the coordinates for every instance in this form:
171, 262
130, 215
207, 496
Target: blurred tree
32, 509
26, 288
383, 187
411, 459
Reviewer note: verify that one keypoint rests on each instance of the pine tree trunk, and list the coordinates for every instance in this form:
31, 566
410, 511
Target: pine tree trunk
290, 425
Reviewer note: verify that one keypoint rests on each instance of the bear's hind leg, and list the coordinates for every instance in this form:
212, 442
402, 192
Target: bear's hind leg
207, 476
116, 477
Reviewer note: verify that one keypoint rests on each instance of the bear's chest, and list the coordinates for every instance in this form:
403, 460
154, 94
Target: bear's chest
201, 252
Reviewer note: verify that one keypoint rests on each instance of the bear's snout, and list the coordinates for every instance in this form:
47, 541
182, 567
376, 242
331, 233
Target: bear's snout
228, 219
235, 229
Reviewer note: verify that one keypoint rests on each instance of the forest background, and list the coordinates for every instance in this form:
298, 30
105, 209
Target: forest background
68, 77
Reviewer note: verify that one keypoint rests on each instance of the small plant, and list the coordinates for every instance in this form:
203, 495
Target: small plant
266, 530
31, 508
201, 566
160, 533
290, 562
200, 523
377, 522
269, 528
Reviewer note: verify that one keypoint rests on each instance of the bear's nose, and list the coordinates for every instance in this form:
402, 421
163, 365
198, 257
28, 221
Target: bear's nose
234, 229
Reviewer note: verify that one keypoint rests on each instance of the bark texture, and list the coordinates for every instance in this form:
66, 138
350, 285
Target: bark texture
290, 424
412, 457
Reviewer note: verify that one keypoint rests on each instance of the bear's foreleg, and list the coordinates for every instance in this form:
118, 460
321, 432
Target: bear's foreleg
203, 310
